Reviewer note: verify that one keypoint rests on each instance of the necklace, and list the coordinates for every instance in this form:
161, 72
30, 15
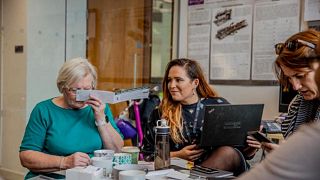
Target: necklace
195, 122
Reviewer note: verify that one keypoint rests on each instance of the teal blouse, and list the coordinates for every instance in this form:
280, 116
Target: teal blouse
58, 131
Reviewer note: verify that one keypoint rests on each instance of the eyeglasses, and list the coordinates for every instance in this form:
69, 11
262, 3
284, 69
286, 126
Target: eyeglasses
293, 45
74, 90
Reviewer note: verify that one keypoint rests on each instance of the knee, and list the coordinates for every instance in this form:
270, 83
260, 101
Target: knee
224, 155
226, 151
225, 158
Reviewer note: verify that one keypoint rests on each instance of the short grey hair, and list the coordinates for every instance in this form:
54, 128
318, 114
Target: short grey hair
73, 71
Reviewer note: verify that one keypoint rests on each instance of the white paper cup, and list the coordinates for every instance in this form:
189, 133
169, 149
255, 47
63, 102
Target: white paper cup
107, 153
102, 162
122, 158
132, 175
118, 168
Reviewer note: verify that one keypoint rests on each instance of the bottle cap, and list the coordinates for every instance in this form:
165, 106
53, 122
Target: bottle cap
162, 127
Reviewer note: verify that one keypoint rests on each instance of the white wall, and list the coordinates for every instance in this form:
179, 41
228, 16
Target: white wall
267, 95
46, 48
53, 37
76, 29
29, 77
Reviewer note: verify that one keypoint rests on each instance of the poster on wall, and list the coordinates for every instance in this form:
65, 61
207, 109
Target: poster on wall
199, 47
274, 22
234, 39
199, 37
311, 10
231, 42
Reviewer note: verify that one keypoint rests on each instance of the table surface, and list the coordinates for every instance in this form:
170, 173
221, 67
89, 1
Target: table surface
178, 168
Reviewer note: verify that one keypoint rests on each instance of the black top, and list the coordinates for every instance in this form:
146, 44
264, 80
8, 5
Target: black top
192, 133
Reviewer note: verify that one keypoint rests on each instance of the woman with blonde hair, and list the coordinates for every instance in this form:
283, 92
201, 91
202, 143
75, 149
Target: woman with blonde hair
62, 132
185, 93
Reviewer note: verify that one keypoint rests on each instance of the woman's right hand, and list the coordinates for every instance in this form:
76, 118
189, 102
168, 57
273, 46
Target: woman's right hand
76, 159
269, 146
190, 153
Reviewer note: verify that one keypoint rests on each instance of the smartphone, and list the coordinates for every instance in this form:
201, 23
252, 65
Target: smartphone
202, 169
259, 136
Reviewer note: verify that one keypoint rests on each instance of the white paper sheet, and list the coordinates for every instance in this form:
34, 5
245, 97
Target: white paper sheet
199, 45
311, 10
231, 55
274, 22
199, 16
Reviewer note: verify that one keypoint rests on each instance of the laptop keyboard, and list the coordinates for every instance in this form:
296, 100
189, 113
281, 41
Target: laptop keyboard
271, 127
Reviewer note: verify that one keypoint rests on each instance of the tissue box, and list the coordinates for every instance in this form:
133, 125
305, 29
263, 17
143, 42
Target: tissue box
84, 173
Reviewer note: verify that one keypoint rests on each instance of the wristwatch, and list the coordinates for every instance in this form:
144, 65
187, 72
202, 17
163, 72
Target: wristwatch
102, 122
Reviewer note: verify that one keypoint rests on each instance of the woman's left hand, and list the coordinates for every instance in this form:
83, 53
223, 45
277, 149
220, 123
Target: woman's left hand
98, 106
253, 143
253, 146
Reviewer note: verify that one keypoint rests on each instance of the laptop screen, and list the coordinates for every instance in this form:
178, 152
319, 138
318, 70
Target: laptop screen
227, 124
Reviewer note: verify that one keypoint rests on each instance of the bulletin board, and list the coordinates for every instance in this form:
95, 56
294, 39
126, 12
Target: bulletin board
234, 40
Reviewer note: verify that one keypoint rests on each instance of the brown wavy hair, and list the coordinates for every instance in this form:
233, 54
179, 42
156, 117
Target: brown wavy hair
171, 110
299, 58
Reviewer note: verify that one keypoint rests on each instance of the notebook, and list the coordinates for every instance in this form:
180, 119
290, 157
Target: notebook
227, 124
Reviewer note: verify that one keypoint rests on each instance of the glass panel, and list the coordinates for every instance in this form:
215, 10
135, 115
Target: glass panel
161, 36
123, 35
116, 40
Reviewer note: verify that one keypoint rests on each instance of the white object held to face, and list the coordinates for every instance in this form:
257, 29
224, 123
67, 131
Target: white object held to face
70, 93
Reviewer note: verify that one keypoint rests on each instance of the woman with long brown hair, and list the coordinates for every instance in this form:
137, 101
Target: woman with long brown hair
185, 93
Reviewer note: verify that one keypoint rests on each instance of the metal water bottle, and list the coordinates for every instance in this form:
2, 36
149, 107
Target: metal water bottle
162, 147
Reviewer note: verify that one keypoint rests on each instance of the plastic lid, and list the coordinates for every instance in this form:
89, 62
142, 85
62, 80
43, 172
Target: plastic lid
162, 130
162, 127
